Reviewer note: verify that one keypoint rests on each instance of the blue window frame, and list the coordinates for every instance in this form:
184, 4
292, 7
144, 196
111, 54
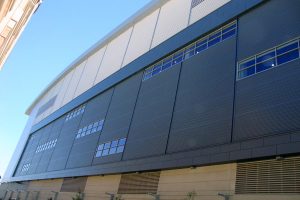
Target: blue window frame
276, 56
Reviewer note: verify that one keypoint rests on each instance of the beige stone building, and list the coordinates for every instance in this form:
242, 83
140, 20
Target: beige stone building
14, 15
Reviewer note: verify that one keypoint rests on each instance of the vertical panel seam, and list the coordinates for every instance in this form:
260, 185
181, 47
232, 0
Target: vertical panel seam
105, 116
155, 27
63, 99
127, 47
98, 70
173, 109
234, 83
190, 14
134, 107
74, 95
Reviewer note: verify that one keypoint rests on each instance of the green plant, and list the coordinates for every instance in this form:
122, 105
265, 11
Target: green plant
119, 197
191, 195
78, 196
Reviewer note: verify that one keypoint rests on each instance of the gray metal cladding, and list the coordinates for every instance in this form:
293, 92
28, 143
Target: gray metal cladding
149, 129
268, 25
204, 102
64, 144
55, 132
119, 115
268, 103
84, 148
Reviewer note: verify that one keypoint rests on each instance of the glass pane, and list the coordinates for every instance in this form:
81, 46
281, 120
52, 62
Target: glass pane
166, 65
88, 132
201, 48
229, 28
265, 56
107, 145
228, 34
112, 150
83, 134
247, 63
214, 35
147, 76
201, 42
287, 47
90, 126
94, 130
105, 152
246, 72
80, 130
214, 41
265, 65
95, 124
101, 146
292, 55
177, 60
122, 141
98, 154
114, 143
156, 70
120, 149
84, 129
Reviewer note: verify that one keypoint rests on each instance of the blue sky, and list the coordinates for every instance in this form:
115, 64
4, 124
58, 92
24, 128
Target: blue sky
57, 34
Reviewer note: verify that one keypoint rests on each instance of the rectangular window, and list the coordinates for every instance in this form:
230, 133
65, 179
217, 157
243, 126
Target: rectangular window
276, 56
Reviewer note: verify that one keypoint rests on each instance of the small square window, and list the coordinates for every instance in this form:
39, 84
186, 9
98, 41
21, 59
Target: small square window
105, 152
90, 126
94, 130
83, 134
114, 143
99, 128
113, 150
100, 147
84, 129
88, 131
98, 154
120, 149
79, 131
122, 141
95, 124
107, 145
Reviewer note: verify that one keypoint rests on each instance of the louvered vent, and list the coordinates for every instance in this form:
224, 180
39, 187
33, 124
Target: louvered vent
139, 183
196, 3
269, 176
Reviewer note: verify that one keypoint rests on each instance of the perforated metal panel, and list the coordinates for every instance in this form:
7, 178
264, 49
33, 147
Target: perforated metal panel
269, 176
139, 183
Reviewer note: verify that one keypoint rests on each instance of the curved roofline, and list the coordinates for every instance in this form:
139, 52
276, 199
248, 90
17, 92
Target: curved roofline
133, 19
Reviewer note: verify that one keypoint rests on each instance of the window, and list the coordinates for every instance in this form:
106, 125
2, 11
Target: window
74, 113
111, 147
191, 50
269, 59
25, 167
48, 145
89, 129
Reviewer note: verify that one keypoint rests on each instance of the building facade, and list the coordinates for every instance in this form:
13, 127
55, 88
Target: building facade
186, 99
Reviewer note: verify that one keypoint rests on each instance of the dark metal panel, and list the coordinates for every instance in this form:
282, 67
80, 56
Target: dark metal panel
119, 115
192, 32
268, 25
149, 129
83, 149
204, 102
55, 132
268, 103
64, 144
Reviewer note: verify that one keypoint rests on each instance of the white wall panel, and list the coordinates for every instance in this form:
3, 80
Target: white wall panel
204, 8
173, 17
59, 99
74, 82
90, 71
114, 55
141, 37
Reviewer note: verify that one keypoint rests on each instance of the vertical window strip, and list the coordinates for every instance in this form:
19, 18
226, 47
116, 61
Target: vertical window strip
189, 51
268, 59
